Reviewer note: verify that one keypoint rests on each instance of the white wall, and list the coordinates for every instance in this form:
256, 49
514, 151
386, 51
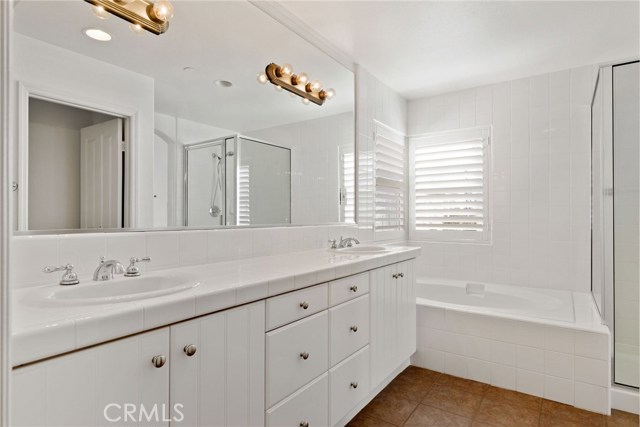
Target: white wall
540, 189
315, 162
64, 73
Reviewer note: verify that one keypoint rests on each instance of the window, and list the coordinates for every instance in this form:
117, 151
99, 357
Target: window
449, 185
390, 186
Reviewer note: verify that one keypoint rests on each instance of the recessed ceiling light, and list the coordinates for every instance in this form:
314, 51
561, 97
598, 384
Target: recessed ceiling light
96, 34
222, 83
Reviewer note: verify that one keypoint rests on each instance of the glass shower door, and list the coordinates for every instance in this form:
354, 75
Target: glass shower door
626, 202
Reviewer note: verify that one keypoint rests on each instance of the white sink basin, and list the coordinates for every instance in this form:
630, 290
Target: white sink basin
362, 249
116, 291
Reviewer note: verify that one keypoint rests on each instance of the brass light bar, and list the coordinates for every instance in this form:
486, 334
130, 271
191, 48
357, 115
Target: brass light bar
137, 12
289, 82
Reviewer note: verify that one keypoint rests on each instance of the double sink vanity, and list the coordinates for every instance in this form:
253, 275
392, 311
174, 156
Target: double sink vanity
299, 339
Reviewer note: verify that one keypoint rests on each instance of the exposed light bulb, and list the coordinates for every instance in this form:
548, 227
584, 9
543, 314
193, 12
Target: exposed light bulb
262, 78
315, 85
286, 69
100, 12
305, 101
278, 88
329, 93
163, 10
303, 79
136, 28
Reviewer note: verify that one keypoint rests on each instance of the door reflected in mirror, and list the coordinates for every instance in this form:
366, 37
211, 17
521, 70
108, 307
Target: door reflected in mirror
188, 135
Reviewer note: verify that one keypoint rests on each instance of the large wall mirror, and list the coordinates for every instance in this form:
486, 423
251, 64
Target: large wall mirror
174, 130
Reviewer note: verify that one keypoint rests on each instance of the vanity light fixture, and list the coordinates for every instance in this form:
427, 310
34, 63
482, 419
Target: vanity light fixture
153, 16
282, 77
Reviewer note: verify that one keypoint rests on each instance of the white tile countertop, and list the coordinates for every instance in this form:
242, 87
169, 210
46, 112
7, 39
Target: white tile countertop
43, 328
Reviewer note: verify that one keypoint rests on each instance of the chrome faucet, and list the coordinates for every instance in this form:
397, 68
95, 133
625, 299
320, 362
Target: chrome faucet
347, 242
107, 269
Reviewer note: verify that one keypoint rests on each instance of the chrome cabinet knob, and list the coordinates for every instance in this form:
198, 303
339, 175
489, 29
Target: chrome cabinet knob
304, 424
395, 276
354, 288
401, 274
354, 328
304, 305
354, 384
304, 355
190, 350
158, 361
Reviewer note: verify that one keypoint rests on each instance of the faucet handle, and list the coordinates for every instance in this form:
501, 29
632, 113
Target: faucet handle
133, 270
68, 278
334, 244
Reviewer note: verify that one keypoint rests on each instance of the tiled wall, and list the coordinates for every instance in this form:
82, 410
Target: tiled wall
540, 189
168, 249
564, 365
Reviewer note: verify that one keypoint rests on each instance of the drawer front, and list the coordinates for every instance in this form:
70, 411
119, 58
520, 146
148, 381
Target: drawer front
296, 305
296, 354
349, 326
349, 384
348, 288
308, 405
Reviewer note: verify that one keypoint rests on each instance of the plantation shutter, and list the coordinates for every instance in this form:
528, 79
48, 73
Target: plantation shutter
347, 190
244, 195
389, 172
449, 184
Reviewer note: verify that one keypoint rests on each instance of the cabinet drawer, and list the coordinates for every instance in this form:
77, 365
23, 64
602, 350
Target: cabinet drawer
290, 307
308, 405
296, 354
349, 384
349, 326
348, 288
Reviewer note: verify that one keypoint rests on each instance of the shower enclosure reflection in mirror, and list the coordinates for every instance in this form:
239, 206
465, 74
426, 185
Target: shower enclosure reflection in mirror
236, 180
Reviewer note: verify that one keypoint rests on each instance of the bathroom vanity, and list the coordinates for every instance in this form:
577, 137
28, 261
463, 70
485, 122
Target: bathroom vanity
323, 339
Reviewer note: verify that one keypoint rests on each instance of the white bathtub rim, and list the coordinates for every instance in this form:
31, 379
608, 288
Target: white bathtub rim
625, 399
586, 316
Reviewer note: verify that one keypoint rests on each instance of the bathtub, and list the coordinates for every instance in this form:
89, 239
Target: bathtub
543, 342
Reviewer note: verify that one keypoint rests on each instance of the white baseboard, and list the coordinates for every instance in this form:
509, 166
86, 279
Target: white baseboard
625, 400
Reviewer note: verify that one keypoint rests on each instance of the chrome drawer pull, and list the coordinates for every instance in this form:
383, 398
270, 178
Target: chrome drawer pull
354, 288
158, 361
190, 350
304, 424
354, 384
354, 328
304, 355
304, 305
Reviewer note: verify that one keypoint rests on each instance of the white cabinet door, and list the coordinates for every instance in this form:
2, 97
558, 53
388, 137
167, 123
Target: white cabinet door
222, 383
393, 318
113, 384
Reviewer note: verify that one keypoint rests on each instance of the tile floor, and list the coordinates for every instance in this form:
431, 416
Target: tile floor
420, 397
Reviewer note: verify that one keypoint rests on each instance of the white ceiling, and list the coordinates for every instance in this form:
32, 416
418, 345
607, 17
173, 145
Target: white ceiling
422, 48
229, 40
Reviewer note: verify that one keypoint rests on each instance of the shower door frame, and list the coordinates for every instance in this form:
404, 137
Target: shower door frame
222, 141
605, 78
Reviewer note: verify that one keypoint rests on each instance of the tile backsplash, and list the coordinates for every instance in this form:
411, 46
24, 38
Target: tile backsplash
167, 249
